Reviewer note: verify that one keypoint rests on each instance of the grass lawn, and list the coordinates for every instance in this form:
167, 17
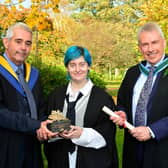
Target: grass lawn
119, 142
44, 158
112, 89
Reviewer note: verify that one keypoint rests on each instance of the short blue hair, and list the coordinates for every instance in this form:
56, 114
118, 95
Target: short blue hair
75, 52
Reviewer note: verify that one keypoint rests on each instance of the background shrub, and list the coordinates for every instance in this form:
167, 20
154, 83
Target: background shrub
53, 76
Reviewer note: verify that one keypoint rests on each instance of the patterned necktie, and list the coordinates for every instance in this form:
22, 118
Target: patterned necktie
141, 109
28, 92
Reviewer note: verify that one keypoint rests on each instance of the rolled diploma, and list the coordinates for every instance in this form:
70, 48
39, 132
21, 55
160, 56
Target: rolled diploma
111, 113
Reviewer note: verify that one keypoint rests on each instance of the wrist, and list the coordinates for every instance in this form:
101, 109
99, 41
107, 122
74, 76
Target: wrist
151, 133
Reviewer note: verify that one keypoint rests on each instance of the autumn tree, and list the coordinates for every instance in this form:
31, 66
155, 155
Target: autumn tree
49, 38
106, 10
111, 45
156, 11
109, 34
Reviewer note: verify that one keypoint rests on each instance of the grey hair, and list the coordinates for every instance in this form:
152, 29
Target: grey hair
10, 31
148, 27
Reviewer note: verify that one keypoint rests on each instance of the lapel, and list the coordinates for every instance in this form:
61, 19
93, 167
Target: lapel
61, 95
134, 77
159, 91
159, 84
92, 108
127, 87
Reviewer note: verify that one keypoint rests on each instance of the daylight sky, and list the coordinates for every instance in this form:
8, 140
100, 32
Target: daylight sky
26, 3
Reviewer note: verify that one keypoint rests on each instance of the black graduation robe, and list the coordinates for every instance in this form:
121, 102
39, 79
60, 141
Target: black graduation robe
17, 130
106, 157
155, 150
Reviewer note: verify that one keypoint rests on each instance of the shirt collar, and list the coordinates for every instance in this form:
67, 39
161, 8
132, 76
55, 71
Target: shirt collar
157, 64
85, 90
13, 65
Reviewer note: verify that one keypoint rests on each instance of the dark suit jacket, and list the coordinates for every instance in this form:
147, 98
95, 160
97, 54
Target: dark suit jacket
105, 157
17, 130
155, 150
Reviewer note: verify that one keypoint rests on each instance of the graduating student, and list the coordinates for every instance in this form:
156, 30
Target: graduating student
91, 140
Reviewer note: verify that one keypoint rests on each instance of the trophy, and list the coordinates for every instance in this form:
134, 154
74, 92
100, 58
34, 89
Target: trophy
59, 122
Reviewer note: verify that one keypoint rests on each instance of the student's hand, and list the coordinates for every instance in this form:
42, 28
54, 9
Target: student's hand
74, 132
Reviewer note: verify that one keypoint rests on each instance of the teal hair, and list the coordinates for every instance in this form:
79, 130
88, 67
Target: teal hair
75, 52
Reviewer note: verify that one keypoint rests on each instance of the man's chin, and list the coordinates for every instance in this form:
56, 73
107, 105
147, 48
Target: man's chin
20, 61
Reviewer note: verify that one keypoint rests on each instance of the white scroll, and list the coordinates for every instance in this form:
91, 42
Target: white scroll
111, 113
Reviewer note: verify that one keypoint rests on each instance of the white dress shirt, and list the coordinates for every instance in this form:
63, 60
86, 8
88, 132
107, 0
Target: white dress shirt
137, 90
90, 138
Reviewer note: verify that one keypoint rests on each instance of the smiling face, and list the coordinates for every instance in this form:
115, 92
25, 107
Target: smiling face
18, 47
78, 69
152, 46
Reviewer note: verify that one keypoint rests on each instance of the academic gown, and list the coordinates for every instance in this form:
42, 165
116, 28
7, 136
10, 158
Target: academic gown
106, 157
155, 150
17, 130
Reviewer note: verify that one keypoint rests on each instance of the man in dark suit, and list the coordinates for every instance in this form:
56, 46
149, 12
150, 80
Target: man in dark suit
146, 146
19, 147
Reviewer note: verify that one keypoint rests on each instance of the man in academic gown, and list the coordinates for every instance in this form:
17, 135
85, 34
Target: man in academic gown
146, 145
19, 147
